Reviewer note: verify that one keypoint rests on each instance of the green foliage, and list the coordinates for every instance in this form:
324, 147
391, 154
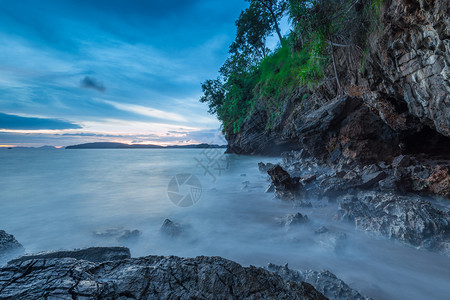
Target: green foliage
312, 71
253, 78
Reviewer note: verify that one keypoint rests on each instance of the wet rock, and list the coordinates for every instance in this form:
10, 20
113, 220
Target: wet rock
286, 187
264, 167
171, 229
291, 157
293, 220
9, 246
93, 254
410, 220
151, 277
325, 282
308, 178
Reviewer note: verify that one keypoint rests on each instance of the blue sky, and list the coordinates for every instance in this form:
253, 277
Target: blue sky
77, 71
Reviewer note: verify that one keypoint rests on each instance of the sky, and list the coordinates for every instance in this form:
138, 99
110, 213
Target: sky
78, 71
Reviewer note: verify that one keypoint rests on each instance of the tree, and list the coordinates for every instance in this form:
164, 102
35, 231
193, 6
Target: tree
276, 9
213, 94
253, 26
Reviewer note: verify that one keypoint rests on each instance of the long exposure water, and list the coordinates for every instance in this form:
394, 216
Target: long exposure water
60, 199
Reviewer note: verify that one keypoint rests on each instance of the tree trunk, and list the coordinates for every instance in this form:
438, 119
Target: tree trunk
339, 91
274, 18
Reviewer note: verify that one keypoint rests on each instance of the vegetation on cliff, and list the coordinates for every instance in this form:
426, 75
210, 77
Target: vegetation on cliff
254, 76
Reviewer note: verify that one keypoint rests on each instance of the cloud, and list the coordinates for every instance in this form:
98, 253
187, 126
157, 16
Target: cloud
17, 122
92, 83
147, 111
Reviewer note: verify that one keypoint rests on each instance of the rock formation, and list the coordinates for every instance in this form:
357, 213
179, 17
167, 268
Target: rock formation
151, 277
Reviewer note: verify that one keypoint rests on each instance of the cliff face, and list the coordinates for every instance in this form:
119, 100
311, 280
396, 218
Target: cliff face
399, 104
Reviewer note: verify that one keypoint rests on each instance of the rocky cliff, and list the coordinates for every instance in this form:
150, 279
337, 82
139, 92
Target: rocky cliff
396, 96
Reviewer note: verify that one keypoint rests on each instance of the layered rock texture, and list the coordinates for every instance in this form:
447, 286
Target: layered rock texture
152, 277
396, 102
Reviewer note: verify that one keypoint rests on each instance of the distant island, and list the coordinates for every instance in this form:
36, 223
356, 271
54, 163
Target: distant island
109, 145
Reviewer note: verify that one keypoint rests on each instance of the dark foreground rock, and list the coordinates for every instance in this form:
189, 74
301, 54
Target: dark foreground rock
325, 282
93, 254
9, 246
410, 220
152, 277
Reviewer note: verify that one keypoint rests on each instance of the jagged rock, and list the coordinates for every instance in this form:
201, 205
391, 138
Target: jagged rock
308, 178
264, 167
371, 179
93, 254
293, 220
286, 187
325, 282
438, 182
408, 67
152, 277
9, 246
410, 220
171, 229
293, 156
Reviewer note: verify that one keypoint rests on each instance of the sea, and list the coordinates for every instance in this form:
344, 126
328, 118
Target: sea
54, 199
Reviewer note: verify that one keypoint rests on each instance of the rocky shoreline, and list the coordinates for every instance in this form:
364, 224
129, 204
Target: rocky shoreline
110, 273
374, 198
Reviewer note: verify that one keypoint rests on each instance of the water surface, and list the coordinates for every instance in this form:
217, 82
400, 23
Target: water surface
57, 199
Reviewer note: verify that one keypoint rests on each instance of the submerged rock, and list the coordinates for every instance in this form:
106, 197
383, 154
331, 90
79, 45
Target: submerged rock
410, 220
171, 228
152, 277
331, 239
9, 246
121, 234
325, 282
93, 254
293, 220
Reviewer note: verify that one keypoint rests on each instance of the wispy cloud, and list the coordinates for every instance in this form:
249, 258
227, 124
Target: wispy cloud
147, 111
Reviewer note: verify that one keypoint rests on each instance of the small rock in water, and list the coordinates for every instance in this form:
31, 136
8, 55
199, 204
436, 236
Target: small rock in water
9, 246
171, 228
243, 175
119, 233
293, 219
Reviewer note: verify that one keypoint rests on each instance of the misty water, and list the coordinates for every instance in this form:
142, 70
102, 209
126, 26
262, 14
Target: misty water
57, 199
